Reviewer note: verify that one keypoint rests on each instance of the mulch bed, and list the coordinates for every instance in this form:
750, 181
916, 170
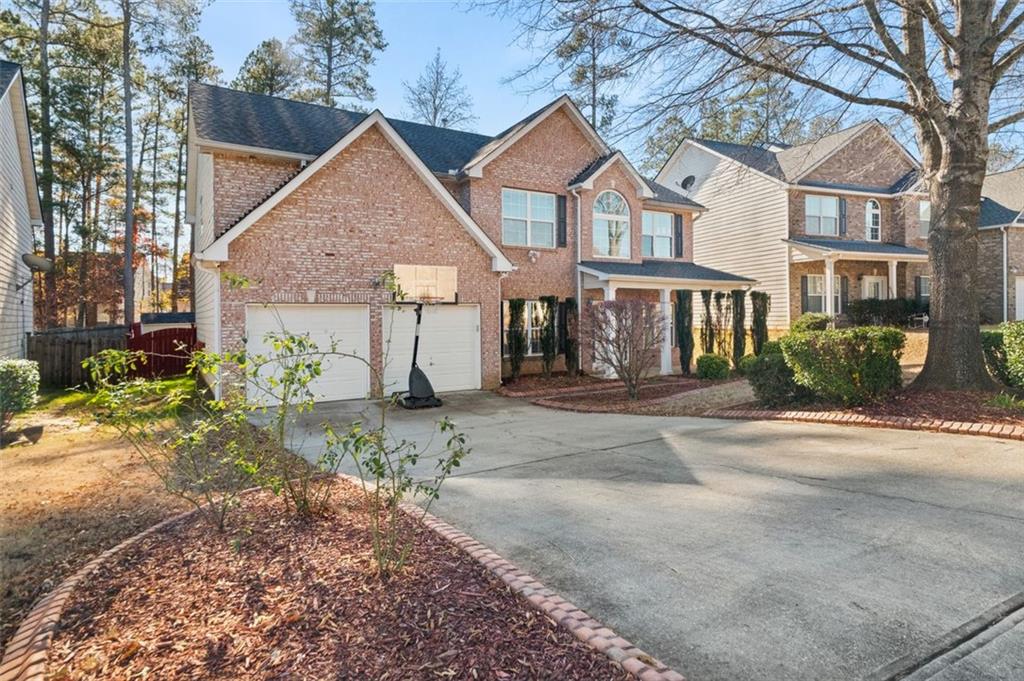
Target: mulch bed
939, 405
536, 384
277, 597
617, 399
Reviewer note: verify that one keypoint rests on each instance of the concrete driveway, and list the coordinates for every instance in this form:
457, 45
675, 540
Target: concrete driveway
743, 550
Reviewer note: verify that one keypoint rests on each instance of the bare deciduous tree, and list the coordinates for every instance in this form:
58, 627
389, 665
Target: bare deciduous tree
953, 69
626, 336
438, 96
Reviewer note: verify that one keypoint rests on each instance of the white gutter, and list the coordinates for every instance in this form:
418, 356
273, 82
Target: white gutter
579, 276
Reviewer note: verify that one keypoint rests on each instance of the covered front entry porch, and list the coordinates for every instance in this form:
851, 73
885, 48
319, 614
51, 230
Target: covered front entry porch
654, 281
827, 274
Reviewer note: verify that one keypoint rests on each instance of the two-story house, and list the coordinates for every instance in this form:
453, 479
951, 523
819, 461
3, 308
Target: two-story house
817, 225
1001, 247
298, 209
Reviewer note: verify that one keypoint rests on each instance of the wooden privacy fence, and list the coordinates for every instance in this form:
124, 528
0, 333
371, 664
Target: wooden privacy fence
167, 350
60, 352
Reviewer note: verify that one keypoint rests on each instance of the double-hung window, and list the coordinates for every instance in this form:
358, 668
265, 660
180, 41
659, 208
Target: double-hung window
816, 293
527, 218
924, 218
821, 215
611, 225
656, 241
873, 220
533, 322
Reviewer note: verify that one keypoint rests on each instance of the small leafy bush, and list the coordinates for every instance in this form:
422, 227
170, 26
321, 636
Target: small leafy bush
1007, 402
712, 367
19, 389
1013, 346
771, 348
773, 383
851, 366
811, 321
995, 355
884, 312
745, 364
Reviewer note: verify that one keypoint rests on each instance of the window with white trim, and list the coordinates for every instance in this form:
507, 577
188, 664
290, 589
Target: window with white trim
816, 293
611, 225
533, 322
873, 220
656, 239
924, 289
924, 218
527, 218
821, 215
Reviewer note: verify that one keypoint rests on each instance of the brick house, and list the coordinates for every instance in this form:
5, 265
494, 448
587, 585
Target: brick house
1001, 247
308, 205
818, 225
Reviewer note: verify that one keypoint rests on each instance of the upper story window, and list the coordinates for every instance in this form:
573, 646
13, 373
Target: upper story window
611, 225
873, 220
527, 218
821, 214
924, 218
656, 241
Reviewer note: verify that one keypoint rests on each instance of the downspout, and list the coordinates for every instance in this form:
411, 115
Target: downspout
501, 322
1006, 272
579, 276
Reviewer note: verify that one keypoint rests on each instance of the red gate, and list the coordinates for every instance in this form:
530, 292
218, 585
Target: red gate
167, 350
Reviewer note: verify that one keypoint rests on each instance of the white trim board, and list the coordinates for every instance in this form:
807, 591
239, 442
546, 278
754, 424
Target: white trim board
218, 250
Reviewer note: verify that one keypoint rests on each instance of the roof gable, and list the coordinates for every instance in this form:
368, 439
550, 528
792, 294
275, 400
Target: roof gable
218, 250
585, 178
1002, 198
12, 88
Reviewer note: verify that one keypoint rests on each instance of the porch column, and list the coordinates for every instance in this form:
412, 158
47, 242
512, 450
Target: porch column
830, 293
892, 279
609, 295
609, 291
666, 324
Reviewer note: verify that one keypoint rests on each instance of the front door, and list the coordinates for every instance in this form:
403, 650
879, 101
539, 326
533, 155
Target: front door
874, 287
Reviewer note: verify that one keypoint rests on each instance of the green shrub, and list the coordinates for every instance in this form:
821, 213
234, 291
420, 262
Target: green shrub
739, 334
712, 367
771, 348
811, 321
571, 335
773, 383
1013, 345
516, 343
707, 326
745, 364
684, 328
760, 304
548, 334
852, 366
995, 355
19, 389
884, 312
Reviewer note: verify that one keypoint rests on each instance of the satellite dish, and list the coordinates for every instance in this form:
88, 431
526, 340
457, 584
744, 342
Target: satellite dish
37, 263
687, 182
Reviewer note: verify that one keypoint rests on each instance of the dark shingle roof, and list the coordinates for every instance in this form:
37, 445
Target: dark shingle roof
8, 70
1002, 198
666, 195
592, 168
664, 269
758, 158
235, 117
856, 246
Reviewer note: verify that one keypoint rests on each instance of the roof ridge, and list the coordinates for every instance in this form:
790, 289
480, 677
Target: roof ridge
1004, 172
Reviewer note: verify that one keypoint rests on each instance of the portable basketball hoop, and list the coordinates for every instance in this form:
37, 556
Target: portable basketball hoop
421, 393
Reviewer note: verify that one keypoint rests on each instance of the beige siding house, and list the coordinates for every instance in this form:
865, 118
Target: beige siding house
19, 211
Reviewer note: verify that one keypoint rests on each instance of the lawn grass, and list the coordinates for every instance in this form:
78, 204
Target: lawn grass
68, 401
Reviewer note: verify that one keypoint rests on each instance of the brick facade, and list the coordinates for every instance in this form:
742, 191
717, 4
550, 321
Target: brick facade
362, 213
990, 273
871, 159
242, 182
853, 270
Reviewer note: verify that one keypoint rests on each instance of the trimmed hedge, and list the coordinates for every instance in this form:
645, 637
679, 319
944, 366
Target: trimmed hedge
773, 383
851, 366
19, 388
811, 321
745, 364
995, 355
712, 367
884, 312
771, 348
1013, 346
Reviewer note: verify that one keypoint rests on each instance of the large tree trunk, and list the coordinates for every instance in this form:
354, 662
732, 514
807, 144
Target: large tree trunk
129, 203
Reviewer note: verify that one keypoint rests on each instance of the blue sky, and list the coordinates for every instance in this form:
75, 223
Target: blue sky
481, 45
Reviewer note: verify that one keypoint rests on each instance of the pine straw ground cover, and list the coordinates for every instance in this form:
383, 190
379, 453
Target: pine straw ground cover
616, 399
281, 598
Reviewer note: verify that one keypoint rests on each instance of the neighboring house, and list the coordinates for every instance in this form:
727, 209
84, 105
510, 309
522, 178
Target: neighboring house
299, 208
817, 225
1001, 247
19, 212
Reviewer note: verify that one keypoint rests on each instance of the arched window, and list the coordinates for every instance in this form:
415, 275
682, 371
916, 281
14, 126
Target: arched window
611, 225
873, 220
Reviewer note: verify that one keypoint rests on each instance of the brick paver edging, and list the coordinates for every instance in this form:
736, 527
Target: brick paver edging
562, 612
842, 418
26, 653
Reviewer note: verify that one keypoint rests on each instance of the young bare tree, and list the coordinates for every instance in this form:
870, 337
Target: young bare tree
626, 336
438, 96
953, 69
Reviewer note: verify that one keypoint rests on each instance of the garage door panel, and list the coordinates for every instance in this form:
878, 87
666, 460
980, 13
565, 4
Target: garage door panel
347, 326
449, 346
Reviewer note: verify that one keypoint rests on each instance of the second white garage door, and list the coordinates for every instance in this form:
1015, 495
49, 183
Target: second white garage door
343, 378
449, 346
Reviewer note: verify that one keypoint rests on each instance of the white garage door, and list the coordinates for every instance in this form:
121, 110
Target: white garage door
343, 378
449, 346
